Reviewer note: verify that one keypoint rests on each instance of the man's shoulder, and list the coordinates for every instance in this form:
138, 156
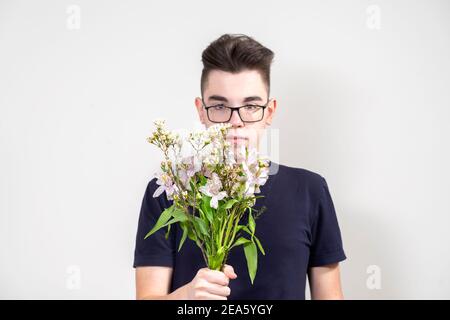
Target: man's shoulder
304, 178
299, 172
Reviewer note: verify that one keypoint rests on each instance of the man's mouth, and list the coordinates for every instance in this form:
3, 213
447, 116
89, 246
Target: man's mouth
235, 138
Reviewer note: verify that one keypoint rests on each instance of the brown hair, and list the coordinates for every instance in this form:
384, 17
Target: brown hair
234, 53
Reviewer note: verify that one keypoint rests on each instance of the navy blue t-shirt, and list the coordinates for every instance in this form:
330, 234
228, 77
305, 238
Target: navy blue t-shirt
298, 230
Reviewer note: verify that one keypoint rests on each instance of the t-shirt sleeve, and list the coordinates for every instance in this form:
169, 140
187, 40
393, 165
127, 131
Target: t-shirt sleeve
156, 250
326, 247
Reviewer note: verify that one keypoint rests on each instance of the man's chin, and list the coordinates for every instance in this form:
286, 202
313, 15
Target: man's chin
238, 142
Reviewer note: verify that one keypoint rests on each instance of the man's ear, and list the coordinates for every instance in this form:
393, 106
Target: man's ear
199, 107
271, 107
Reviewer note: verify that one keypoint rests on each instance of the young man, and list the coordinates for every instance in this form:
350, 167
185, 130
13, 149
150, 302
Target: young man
299, 230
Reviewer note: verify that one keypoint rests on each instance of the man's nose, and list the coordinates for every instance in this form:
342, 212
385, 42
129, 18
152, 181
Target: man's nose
235, 120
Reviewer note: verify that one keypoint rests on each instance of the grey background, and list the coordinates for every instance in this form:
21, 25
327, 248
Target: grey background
362, 101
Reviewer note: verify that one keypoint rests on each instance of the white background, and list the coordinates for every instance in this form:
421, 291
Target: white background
362, 101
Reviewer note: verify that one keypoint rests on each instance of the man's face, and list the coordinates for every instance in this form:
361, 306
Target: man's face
234, 90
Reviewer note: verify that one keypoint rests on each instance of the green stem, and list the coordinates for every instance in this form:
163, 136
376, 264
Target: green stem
222, 228
229, 226
230, 243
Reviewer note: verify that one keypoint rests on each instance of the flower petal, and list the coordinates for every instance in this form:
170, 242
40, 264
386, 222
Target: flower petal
158, 191
214, 202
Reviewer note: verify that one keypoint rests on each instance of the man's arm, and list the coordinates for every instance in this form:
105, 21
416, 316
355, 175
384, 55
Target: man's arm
154, 283
325, 282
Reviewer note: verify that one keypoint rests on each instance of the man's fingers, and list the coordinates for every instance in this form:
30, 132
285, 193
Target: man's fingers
229, 271
219, 290
217, 277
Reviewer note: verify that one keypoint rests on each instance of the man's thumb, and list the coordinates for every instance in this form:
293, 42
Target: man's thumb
229, 271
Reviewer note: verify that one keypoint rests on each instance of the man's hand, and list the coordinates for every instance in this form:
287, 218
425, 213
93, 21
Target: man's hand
210, 284
154, 283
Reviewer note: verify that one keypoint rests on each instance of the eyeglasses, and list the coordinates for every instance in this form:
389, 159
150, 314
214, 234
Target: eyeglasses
248, 113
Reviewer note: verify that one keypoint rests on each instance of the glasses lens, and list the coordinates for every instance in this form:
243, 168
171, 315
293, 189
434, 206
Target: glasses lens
251, 113
219, 113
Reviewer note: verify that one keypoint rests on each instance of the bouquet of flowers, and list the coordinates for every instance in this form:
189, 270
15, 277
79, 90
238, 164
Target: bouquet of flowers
212, 188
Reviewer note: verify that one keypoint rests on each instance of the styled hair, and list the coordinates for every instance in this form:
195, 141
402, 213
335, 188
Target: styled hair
235, 53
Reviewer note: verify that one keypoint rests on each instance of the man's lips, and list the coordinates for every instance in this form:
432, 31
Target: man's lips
237, 138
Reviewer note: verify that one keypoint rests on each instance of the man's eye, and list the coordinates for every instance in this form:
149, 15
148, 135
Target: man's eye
251, 108
219, 107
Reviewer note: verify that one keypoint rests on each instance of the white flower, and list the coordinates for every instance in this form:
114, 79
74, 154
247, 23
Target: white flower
241, 153
165, 184
262, 176
207, 171
213, 157
254, 175
159, 123
189, 166
217, 130
194, 165
212, 189
178, 141
229, 154
199, 139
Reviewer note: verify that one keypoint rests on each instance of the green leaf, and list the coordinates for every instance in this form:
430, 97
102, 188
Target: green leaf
251, 222
229, 203
174, 220
179, 214
203, 180
208, 214
202, 214
242, 227
251, 255
191, 235
206, 208
259, 245
240, 241
168, 231
201, 226
162, 220
183, 237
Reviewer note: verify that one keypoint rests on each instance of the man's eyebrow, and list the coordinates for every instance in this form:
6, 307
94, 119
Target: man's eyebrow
253, 98
223, 99
217, 98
